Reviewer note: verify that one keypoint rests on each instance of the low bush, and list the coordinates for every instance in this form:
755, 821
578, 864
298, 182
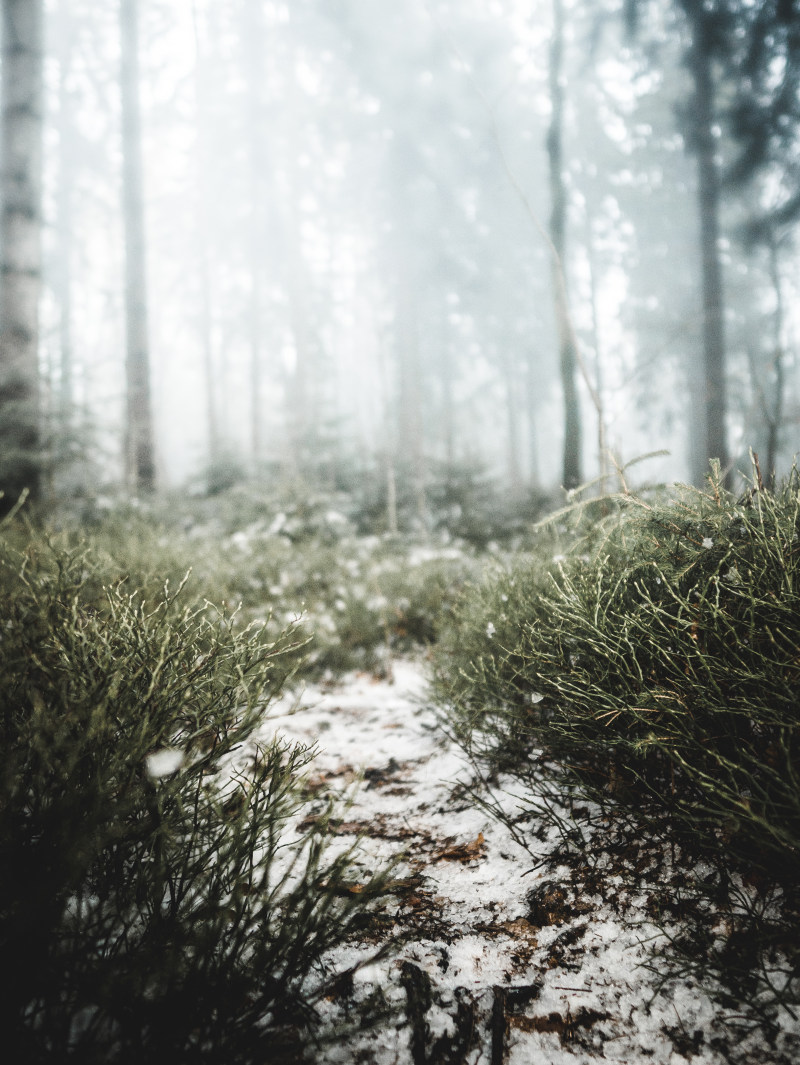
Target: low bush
662, 667
157, 897
354, 597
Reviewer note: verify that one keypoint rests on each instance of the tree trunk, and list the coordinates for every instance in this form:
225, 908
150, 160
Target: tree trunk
775, 412
533, 398
21, 95
602, 443
568, 355
206, 310
304, 385
139, 445
703, 142
446, 399
64, 223
410, 448
511, 375
253, 43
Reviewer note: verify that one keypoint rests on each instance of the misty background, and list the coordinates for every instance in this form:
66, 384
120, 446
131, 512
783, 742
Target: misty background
347, 239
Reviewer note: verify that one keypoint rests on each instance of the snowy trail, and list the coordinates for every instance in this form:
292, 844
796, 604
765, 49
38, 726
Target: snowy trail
506, 963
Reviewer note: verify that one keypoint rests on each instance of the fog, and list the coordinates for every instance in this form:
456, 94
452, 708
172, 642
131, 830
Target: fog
352, 254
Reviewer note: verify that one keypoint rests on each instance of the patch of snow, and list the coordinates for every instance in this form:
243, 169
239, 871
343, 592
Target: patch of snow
571, 992
163, 763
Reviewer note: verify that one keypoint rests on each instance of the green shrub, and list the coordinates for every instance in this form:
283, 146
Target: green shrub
355, 597
155, 897
661, 668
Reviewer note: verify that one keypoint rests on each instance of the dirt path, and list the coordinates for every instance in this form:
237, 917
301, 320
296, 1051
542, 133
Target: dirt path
506, 962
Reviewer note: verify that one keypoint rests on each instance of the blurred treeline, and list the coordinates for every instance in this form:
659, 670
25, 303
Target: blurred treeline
316, 236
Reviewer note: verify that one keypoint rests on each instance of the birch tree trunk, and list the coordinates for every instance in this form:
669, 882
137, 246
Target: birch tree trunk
21, 99
139, 444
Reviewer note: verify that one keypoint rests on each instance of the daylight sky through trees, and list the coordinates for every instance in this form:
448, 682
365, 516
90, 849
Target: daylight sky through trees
349, 218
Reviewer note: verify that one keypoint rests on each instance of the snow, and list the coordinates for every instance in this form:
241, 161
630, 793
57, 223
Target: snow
163, 763
574, 989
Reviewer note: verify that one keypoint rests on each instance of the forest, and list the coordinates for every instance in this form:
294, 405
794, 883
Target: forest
400, 531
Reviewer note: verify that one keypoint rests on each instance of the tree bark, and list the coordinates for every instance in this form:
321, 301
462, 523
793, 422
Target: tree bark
703, 142
568, 355
206, 308
139, 449
21, 96
64, 224
410, 448
533, 399
511, 375
774, 413
253, 43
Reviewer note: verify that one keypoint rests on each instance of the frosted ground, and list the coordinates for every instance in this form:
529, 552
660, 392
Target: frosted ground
503, 956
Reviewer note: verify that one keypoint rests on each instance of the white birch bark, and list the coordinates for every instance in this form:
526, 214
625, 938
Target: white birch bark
21, 101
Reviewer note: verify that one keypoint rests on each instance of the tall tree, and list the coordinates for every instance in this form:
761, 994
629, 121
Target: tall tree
567, 344
743, 61
21, 94
706, 33
206, 309
64, 231
701, 122
139, 444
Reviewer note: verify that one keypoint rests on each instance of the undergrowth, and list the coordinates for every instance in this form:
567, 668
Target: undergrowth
283, 561
157, 897
658, 662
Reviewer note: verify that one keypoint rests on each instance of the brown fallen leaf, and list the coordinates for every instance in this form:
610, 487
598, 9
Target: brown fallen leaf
565, 1027
518, 929
342, 888
463, 852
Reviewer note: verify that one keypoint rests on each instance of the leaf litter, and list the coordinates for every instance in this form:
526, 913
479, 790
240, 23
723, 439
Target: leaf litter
510, 948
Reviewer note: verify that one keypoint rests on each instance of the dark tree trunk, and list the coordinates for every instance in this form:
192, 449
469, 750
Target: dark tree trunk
206, 309
253, 43
411, 379
703, 143
410, 427
774, 414
568, 355
65, 239
21, 95
139, 449
305, 379
597, 391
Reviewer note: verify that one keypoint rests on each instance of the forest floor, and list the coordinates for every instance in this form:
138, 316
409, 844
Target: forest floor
510, 951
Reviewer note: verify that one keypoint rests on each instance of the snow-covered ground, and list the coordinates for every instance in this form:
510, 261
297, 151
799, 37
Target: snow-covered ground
504, 957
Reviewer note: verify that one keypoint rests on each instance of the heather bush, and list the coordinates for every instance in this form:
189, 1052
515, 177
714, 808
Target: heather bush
659, 660
157, 897
281, 561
